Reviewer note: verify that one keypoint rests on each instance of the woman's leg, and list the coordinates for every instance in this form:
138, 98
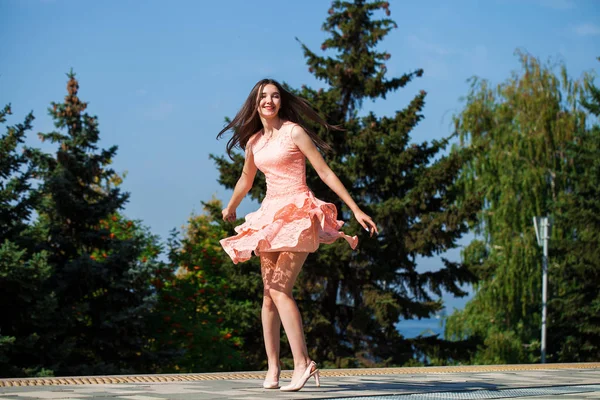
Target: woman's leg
279, 285
270, 318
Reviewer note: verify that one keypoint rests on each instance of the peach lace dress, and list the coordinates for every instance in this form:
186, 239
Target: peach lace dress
290, 217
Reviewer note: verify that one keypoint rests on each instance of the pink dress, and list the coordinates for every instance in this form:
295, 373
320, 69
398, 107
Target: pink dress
290, 217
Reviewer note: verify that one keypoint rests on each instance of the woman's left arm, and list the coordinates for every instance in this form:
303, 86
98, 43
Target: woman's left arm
308, 147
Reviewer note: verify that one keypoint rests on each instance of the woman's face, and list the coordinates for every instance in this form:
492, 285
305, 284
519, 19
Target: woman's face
269, 101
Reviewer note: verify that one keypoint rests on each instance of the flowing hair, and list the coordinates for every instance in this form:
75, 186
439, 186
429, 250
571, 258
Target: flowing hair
293, 108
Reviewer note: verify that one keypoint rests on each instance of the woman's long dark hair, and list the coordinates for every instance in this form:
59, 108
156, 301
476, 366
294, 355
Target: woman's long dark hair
247, 121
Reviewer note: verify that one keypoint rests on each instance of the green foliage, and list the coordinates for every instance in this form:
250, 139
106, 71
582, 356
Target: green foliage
243, 305
101, 262
192, 315
574, 305
24, 270
519, 134
351, 301
22, 281
88, 294
16, 172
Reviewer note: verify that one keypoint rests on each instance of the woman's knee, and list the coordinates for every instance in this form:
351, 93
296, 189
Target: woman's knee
268, 303
278, 295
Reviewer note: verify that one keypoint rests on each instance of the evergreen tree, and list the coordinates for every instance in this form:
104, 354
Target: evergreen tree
352, 301
101, 277
574, 304
17, 197
519, 133
23, 270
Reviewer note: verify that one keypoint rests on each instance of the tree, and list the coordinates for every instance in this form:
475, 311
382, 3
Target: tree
192, 316
240, 307
23, 270
102, 263
574, 304
17, 198
519, 133
351, 301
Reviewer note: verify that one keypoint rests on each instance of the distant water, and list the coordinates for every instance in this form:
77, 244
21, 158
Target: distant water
426, 327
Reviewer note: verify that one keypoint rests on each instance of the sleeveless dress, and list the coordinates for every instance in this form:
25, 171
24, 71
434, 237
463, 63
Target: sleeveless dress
290, 217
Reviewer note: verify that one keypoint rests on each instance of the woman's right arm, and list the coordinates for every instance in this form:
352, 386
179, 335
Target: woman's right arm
242, 187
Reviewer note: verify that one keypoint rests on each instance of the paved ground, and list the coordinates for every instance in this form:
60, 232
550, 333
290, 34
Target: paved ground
551, 381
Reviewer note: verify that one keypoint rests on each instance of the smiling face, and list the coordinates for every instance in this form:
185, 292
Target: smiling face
269, 101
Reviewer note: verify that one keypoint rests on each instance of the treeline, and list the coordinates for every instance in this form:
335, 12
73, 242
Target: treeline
84, 290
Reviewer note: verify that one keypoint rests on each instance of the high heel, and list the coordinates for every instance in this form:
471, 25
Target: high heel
310, 371
267, 384
271, 384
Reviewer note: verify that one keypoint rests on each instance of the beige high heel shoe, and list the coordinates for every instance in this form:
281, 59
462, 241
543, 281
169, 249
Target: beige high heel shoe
271, 384
267, 384
310, 371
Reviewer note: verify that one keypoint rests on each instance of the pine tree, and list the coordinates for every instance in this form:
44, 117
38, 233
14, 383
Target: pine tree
519, 134
17, 197
352, 301
23, 270
101, 276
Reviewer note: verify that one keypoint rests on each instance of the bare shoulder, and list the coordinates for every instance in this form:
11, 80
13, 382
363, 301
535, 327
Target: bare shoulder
297, 132
252, 139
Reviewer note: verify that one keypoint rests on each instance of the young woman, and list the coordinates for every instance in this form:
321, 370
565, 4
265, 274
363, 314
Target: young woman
291, 222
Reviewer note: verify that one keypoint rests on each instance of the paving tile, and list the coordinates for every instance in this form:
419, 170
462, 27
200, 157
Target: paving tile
140, 397
44, 394
423, 384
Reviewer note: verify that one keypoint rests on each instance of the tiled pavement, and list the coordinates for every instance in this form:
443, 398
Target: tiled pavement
558, 381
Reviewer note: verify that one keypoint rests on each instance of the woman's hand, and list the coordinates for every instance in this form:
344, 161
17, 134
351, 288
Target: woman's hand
229, 214
366, 222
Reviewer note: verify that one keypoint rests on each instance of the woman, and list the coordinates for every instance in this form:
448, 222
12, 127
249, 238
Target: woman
290, 222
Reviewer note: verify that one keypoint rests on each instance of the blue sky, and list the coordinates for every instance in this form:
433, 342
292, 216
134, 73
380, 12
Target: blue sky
162, 75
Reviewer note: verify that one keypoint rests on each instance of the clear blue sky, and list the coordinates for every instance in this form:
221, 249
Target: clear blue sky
162, 75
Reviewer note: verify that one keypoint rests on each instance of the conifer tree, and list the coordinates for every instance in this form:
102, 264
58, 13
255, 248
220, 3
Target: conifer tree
102, 263
27, 307
352, 301
17, 197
